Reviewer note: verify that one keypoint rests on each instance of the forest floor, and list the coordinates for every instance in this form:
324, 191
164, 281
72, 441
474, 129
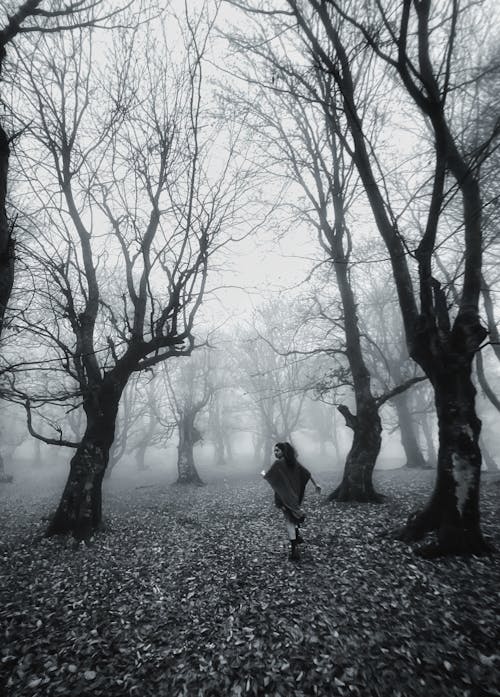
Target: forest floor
189, 591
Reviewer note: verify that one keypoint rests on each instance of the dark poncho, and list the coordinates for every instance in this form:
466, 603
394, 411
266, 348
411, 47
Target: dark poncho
289, 484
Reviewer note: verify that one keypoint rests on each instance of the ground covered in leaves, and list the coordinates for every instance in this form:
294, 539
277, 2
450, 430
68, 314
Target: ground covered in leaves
189, 591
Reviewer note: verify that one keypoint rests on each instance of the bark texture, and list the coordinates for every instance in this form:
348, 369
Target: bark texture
188, 437
453, 509
357, 483
6, 232
80, 508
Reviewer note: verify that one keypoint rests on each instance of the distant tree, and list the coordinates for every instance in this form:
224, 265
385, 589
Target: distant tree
220, 427
274, 381
388, 360
189, 391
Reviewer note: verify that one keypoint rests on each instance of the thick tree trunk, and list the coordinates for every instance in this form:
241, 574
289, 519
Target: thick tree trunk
414, 456
6, 238
188, 436
357, 484
80, 509
453, 509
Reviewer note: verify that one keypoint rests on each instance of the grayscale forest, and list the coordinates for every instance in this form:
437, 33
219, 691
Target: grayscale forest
249, 348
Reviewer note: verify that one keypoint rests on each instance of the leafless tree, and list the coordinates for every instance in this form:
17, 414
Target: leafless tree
189, 389
416, 43
129, 204
34, 17
274, 380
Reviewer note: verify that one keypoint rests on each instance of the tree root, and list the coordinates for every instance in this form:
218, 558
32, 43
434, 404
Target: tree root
343, 494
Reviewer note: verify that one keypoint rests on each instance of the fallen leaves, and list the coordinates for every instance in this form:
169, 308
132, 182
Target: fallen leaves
189, 592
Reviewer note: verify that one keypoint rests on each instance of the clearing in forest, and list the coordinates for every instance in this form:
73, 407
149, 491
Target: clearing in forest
189, 591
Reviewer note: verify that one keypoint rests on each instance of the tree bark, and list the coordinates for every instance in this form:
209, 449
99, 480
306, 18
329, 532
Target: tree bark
453, 509
6, 232
80, 509
357, 484
414, 456
188, 436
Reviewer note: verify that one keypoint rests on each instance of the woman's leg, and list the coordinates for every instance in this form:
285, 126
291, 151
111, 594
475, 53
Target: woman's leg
290, 529
292, 536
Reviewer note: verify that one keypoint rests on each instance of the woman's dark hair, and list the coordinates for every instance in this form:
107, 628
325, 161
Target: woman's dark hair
289, 453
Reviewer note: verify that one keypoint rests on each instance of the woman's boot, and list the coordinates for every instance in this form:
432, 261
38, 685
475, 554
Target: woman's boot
294, 550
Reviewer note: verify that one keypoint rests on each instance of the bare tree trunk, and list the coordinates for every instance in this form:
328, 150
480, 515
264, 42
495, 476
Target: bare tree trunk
268, 442
453, 509
219, 449
140, 456
144, 444
414, 456
229, 448
6, 236
4, 478
80, 508
188, 436
357, 484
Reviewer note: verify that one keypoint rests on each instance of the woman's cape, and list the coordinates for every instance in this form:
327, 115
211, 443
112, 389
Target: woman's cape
289, 484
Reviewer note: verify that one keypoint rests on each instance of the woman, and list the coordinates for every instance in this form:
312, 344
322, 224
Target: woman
288, 479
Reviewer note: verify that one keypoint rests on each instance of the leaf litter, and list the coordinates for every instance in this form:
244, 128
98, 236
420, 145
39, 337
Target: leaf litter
189, 591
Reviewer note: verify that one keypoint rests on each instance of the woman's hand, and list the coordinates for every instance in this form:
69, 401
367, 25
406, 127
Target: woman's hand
263, 473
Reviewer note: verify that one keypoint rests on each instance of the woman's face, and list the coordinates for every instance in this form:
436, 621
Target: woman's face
278, 453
